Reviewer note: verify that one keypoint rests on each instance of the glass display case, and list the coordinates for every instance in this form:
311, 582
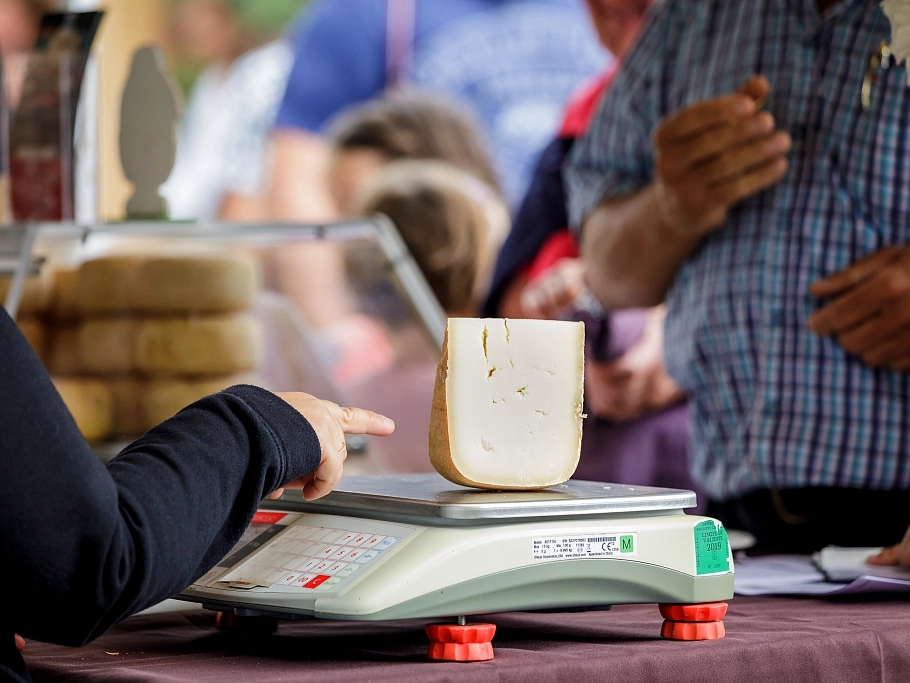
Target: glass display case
136, 320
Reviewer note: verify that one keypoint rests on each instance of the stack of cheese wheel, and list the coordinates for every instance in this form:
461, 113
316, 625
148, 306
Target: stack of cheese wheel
152, 334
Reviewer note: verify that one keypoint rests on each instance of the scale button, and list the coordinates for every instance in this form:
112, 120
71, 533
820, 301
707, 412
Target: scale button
309, 564
372, 541
328, 551
335, 568
315, 549
330, 584
348, 537
316, 581
347, 571
354, 553
303, 579
325, 564
387, 542
366, 557
359, 539
290, 579
333, 535
341, 552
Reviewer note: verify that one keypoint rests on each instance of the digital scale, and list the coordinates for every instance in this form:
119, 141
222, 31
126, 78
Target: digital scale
418, 546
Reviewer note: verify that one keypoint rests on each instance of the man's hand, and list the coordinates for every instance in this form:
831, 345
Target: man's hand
896, 554
548, 295
636, 383
331, 422
870, 313
712, 155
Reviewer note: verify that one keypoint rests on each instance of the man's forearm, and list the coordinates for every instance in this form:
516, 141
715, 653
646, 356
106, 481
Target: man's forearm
630, 253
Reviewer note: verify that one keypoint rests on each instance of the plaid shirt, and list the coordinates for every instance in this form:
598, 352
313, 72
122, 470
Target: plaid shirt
773, 405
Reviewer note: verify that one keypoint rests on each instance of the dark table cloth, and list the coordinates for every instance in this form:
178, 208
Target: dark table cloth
768, 639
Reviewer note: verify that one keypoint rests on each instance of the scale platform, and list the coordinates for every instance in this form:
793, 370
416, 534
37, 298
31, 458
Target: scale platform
418, 546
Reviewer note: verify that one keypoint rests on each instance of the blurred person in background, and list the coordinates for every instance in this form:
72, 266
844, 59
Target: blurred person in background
222, 147
404, 125
19, 22
638, 423
446, 217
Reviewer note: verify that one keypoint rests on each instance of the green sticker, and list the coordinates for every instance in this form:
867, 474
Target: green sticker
627, 544
712, 549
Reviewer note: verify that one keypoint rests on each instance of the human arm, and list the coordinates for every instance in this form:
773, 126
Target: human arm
87, 544
709, 156
896, 554
635, 383
870, 311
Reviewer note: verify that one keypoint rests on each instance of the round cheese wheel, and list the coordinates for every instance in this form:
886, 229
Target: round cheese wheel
164, 398
103, 285
218, 283
64, 302
90, 403
107, 345
210, 345
36, 294
35, 333
127, 419
63, 350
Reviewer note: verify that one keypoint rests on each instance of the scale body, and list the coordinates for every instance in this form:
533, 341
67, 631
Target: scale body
417, 546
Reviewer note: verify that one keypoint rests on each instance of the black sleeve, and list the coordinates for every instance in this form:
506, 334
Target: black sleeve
542, 214
83, 545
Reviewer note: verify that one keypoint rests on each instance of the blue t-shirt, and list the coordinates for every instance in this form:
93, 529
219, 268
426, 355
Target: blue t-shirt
514, 62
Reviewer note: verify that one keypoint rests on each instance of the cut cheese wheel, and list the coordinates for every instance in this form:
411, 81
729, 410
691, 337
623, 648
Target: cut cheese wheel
107, 346
211, 345
167, 284
162, 399
36, 294
90, 403
507, 403
35, 333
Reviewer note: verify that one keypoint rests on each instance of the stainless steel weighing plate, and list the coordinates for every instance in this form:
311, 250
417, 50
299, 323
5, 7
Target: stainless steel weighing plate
431, 497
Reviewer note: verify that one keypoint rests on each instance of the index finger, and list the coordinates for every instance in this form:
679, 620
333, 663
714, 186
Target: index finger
853, 274
360, 421
703, 116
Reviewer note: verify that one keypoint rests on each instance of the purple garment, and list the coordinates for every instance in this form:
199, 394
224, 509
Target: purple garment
649, 451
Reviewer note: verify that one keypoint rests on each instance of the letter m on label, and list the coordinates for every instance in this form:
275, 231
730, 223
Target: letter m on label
626, 544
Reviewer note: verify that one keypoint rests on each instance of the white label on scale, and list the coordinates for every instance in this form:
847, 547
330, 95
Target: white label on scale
582, 547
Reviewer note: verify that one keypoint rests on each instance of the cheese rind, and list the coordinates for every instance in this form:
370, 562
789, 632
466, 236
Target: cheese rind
507, 404
90, 403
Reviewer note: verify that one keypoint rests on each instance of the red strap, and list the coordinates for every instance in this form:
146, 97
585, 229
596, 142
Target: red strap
584, 103
560, 245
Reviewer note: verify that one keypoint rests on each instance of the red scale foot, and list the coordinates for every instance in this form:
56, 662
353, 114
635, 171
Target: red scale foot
454, 643
693, 622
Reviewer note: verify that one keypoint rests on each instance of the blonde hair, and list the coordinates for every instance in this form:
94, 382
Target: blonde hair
452, 223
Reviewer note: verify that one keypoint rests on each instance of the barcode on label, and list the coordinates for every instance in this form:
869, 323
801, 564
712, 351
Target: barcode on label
602, 539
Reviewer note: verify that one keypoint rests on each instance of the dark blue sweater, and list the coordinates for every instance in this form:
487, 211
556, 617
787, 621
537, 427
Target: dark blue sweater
84, 545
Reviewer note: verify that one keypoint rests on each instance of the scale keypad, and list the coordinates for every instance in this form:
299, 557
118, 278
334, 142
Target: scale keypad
310, 558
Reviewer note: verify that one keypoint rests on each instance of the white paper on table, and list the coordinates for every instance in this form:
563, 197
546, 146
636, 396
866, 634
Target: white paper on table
797, 575
847, 564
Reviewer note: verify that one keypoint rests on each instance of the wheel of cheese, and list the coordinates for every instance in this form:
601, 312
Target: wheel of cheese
507, 403
90, 403
63, 350
36, 294
36, 334
127, 417
164, 398
208, 345
64, 302
218, 283
103, 285
106, 346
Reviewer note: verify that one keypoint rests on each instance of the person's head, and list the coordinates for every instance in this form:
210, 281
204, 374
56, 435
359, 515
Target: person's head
618, 22
206, 31
19, 20
451, 222
404, 125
